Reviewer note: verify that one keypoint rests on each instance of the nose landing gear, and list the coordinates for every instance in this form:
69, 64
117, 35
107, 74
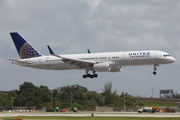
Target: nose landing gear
154, 73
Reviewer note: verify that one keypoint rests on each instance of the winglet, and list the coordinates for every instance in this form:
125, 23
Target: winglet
88, 51
50, 50
52, 53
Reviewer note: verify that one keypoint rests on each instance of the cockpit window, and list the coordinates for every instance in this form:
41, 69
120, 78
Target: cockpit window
166, 55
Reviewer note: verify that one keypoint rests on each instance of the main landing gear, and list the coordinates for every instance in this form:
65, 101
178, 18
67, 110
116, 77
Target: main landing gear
89, 75
155, 69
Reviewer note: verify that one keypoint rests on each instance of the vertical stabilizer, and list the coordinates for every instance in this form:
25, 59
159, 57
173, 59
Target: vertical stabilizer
24, 49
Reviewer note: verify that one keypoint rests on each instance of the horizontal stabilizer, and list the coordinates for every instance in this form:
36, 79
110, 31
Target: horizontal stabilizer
19, 62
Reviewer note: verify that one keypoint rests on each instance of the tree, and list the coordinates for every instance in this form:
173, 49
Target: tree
108, 94
173, 95
65, 105
47, 104
29, 103
78, 106
55, 95
129, 100
141, 104
4, 100
45, 94
79, 93
13, 93
90, 103
29, 92
31, 95
39, 106
58, 104
26, 88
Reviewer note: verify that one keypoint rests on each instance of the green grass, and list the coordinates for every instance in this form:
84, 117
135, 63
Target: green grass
160, 104
88, 118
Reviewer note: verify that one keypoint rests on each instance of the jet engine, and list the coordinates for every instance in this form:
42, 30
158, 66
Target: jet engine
116, 69
105, 67
102, 67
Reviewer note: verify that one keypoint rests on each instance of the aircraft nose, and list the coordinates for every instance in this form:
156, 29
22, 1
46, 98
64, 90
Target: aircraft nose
172, 59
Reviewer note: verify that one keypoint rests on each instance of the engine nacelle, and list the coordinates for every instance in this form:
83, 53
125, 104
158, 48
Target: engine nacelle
116, 69
102, 67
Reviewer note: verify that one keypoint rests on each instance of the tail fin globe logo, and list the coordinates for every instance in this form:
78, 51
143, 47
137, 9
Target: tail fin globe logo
24, 49
27, 51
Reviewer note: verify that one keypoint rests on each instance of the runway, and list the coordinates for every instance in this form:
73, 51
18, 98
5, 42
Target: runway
84, 114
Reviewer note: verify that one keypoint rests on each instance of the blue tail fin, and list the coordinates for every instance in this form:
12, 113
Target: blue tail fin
24, 49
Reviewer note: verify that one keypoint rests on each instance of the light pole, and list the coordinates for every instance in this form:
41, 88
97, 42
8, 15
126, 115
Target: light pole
51, 98
71, 97
152, 91
12, 103
124, 103
104, 100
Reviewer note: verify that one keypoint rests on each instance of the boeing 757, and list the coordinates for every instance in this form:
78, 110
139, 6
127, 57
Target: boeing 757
95, 62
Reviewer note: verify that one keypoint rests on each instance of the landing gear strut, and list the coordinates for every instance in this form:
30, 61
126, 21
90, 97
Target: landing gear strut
89, 75
155, 69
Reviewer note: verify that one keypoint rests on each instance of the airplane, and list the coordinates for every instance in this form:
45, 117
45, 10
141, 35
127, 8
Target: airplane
95, 62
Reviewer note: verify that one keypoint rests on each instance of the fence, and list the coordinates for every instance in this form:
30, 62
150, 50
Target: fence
112, 109
89, 108
2, 108
156, 100
24, 108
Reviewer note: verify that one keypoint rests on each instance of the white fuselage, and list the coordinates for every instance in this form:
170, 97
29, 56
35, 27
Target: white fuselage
129, 58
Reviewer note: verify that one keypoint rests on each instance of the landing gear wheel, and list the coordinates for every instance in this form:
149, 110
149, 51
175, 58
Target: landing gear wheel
155, 65
154, 73
84, 76
88, 75
95, 75
91, 76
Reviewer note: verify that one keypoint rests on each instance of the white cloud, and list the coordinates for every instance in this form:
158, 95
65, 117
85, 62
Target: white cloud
92, 3
146, 42
146, 24
3, 63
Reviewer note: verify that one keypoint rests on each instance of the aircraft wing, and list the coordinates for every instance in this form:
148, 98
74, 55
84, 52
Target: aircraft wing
77, 62
19, 62
71, 61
